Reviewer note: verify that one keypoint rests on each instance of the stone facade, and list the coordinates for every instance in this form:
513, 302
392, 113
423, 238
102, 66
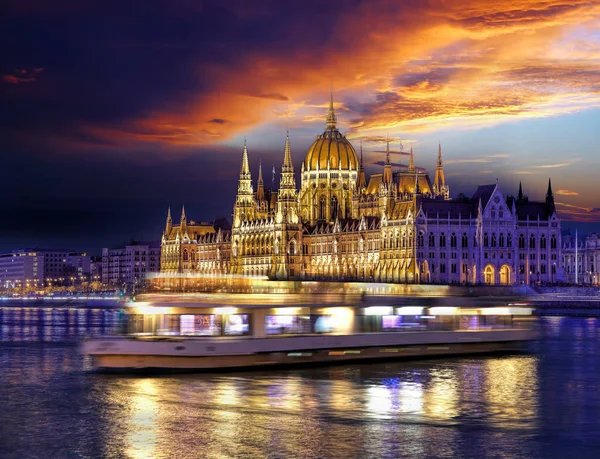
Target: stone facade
581, 259
398, 226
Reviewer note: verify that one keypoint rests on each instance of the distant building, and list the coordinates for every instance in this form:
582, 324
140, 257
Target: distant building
185, 246
96, 269
581, 258
20, 268
43, 267
128, 266
398, 226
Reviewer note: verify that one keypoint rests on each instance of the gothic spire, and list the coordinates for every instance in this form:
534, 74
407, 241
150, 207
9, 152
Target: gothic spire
361, 182
331, 119
550, 198
287, 158
361, 155
387, 168
169, 221
549, 194
260, 186
183, 218
439, 183
520, 195
245, 167
260, 177
387, 149
411, 164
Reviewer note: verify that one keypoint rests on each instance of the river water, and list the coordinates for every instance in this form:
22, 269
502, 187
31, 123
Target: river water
545, 404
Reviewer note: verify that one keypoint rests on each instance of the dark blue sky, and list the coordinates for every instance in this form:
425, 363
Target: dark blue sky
112, 111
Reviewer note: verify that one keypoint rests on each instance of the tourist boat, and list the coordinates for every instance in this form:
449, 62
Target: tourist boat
200, 334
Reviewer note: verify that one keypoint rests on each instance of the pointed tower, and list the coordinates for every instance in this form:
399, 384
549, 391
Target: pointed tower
288, 195
183, 224
439, 184
287, 258
331, 119
260, 186
245, 202
362, 181
549, 194
411, 164
520, 195
169, 225
550, 197
387, 168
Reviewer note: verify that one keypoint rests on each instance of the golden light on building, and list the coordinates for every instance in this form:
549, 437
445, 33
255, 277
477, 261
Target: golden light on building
398, 226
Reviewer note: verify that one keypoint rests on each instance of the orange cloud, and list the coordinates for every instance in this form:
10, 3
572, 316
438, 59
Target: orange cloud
571, 212
452, 63
566, 193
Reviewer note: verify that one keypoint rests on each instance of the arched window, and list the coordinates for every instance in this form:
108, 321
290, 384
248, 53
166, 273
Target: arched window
521, 241
532, 242
431, 240
465, 240
543, 241
185, 255
486, 240
334, 208
501, 212
453, 240
501, 241
322, 208
494, 240
421, 239
442, 240
553, 241
493, 213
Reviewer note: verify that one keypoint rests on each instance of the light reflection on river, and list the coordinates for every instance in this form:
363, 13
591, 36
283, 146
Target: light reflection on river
543, 405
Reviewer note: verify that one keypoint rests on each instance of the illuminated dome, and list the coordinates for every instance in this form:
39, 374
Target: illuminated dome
331, 149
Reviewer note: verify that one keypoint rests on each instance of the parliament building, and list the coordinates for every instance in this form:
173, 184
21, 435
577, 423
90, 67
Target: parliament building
396, 226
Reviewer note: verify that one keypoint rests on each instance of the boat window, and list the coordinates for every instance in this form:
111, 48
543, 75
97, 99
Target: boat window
236, 324
288, 324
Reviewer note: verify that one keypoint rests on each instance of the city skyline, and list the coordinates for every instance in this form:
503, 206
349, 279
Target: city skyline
109, 116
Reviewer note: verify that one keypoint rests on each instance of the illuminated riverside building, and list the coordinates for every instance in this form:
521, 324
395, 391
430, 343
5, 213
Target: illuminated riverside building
397, 226
581, 259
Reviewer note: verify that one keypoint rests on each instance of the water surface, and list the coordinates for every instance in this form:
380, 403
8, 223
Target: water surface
541, 405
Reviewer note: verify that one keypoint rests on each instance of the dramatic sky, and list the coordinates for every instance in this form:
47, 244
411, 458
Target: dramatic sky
112, 111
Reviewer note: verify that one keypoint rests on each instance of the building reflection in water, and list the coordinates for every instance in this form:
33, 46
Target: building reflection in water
142, 430
512, 392
440, 400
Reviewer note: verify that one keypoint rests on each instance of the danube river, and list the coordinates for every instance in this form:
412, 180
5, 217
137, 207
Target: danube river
545, 404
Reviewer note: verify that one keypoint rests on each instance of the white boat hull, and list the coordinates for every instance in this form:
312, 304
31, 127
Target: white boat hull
187, 354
